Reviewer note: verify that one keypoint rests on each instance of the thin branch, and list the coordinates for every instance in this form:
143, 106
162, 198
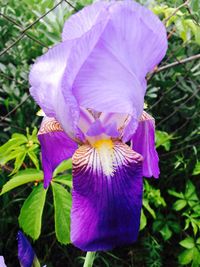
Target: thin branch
175, 11
177, 109
181, 61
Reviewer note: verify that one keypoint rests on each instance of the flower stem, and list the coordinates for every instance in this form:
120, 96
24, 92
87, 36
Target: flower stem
89, 259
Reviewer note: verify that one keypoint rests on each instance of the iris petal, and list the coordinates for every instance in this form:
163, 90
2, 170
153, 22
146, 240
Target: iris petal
115, 70
83, 21
2, 262
56, 146
143, 141
25, 252
105, 208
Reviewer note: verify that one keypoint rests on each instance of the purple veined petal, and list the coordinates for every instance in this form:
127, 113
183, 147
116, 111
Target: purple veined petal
56, 146
79, 53
143, 141
115, 70
83, 21
25, 252
2, 262
106, 196
45, 79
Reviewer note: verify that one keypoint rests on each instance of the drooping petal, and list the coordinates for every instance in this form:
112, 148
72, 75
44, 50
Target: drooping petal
106, 197
143, 141
2, 262
25, 252
56, 146
46, 78
83, 21
133, 42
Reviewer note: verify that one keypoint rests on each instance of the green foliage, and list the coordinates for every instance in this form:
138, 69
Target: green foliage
62, 206
30, 218
22, 177
18, 148
163, 139
192, 252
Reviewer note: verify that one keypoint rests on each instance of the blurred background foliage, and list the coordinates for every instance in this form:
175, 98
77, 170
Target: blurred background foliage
170, 220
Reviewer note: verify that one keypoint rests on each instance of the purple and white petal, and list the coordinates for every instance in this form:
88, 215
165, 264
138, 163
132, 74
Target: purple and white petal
106, 196
25, 252
143, 141
56, 146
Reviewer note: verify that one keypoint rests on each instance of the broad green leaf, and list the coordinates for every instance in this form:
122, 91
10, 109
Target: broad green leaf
166, 232
163, 139
62, 206
187, 242
196, 170
186, 257
36, 262
63, 166
179, 204
30, 218
64, 179
175, 194
143, 220
196, 257
22, 177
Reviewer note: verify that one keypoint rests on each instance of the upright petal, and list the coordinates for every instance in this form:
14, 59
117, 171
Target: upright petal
106, 197
82, 21
56, 146
132, 43
25, 252
143, 141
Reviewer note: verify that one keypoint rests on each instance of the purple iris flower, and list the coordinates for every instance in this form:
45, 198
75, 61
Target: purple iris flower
91, 87
26, 254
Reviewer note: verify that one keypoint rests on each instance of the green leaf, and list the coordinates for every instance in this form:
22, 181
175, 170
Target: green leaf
179, 204
143, 220
175, 194
196, 170
187, 242
62, 206
163, 139
64, 179
34, 158
147, 207
63, 166
186, 257
166, 232
18, 162
30, 218
22, 177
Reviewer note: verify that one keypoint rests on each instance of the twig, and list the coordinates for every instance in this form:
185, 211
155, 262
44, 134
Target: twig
14, 109
177, 109
175, 11
173, 64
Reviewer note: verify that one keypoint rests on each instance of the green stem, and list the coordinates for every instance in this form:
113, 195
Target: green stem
89, 259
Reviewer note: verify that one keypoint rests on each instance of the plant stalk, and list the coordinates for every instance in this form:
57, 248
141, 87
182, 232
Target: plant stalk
89, 259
